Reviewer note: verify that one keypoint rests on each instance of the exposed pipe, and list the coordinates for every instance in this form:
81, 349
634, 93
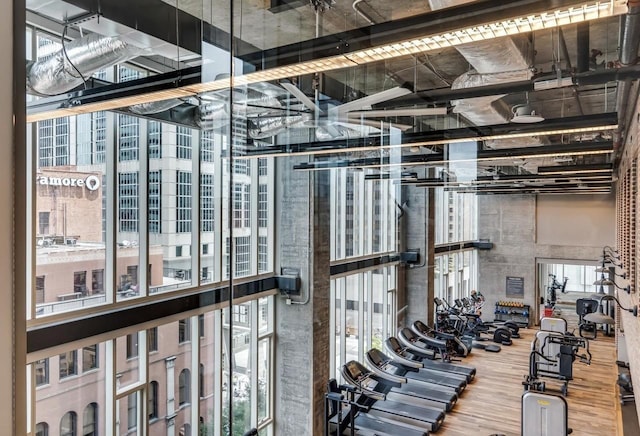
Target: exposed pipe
567, 58
360, 12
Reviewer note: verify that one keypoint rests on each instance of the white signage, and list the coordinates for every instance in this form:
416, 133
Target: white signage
91, 183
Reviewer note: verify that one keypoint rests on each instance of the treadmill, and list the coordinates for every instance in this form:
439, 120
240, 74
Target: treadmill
357, 375
385, 367
415, 344
414, 364
364, 424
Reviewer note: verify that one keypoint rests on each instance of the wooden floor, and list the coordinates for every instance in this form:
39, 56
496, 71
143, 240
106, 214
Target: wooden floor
491, 404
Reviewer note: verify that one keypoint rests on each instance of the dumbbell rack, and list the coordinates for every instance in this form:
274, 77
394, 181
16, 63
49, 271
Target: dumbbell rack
512, 311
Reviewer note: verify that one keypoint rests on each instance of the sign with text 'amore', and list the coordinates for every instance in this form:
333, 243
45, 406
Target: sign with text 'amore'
92, 183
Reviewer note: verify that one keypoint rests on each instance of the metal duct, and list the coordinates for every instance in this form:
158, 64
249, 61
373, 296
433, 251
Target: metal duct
60, 73
502, 55
155, 107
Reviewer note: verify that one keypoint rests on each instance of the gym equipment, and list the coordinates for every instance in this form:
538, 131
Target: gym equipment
471, 326
544, 415
625, 384
384, 366
415, 362
552, 356
411, 341
364, 380
343, 414
551, 324
454, 346
552, 289
584, 306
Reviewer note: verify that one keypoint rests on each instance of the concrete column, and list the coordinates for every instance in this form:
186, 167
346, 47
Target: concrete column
419, 222
302, 327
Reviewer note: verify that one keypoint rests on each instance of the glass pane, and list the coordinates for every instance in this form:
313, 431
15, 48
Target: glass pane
264, 387
241, 353
70, 212
207, 373
171, 189
264, 320
128, 360
71, 405
128, 414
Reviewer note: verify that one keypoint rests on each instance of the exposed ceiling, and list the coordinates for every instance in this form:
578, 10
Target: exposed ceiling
531, 69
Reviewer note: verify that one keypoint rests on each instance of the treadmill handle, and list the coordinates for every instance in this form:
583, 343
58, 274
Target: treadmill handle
391, 377
407, 362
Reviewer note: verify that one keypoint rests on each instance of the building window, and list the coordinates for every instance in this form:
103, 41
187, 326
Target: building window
100, 136
206, 202
89, 358
53, 142
97, 281
132, 411
237, 205
263, 205
184, 331
90, 420
183, 210
206, 151
43, 223
68, 363
201, 392
201, 325
263, 254
243, 256
41, 368
247, 206
178, 250
128, 137
128, 196
153, 400
155, 202
68, 424
39, 289
132, 345
152, 339
126, 73
184, 388
242, 166
262, 167
154, 138
205, 248
185, 430
42, 429
183, 142
80, 282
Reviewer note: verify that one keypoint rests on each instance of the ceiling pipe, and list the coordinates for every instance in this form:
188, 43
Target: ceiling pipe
567, 59
629, 42
360, 12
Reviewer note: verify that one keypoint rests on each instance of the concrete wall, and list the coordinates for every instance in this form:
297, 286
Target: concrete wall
524, 228
302, 328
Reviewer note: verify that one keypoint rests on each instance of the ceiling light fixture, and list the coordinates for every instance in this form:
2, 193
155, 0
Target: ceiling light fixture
599, 317
576, 169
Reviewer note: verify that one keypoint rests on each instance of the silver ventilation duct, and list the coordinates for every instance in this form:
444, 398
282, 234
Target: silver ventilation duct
505, 55
84, 56
155, 107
